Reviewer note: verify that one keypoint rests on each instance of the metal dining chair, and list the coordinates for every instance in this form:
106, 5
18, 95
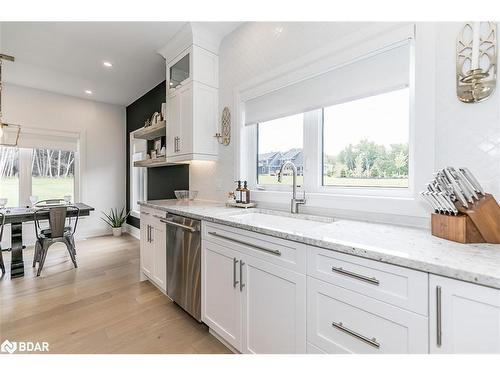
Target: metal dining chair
57, 231
2, 225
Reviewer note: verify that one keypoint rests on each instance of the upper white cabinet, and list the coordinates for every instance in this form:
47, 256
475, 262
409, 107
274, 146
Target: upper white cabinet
192, 100
464, 317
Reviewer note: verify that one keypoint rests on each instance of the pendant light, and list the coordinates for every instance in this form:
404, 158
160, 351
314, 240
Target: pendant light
5, 128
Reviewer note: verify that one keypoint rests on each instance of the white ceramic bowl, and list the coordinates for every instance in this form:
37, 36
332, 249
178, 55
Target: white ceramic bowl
186, 195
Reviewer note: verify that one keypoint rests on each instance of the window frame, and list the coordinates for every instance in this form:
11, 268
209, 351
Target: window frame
143, 170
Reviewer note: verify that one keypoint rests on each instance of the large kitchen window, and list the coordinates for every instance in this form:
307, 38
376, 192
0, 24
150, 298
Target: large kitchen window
347, 130
279, 141
365, 141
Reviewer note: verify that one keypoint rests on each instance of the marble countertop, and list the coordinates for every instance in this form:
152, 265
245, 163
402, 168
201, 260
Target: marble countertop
403, 246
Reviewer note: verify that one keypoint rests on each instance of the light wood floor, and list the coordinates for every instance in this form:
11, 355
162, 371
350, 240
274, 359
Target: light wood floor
101, 307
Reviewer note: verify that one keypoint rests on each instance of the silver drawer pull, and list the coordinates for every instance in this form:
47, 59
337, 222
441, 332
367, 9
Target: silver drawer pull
235, 282
373, 342
366, 279
275, 252
182, 226
439, 328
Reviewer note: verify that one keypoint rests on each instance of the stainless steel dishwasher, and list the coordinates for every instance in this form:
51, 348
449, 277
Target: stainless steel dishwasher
184, 263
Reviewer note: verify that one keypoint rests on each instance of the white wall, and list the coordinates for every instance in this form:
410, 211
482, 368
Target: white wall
465, 135
102, 155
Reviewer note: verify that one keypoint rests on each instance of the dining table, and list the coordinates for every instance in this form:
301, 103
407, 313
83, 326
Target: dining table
16, 216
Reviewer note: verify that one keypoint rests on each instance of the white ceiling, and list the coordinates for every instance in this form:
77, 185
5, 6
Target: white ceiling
67, 57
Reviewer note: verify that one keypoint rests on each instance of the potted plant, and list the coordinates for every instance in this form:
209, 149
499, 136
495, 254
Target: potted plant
115, 220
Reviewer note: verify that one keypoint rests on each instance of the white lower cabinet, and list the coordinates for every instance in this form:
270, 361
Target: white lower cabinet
274, 308
464, 317
342, 321
221, 296
254, 305
153, 249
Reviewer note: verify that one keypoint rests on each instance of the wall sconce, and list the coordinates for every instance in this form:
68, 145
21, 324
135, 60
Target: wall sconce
224, 138
476, 61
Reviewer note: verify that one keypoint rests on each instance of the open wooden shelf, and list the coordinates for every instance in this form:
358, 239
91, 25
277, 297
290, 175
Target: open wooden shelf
151, 132
152, 163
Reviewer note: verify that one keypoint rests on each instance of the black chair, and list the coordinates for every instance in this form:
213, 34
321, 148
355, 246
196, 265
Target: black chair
2, 225
57, 231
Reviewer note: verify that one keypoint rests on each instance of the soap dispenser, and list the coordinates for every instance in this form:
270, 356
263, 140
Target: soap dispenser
238, 192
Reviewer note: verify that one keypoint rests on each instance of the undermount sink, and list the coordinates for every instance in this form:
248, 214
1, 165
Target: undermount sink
280, 219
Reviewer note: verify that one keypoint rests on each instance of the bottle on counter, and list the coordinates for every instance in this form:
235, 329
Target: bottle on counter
237, 192
245, 193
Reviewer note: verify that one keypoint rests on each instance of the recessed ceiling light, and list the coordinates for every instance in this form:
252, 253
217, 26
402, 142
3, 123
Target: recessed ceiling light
107, 64
88, 92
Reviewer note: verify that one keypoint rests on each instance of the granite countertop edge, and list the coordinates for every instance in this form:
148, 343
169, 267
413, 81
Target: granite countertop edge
352, 249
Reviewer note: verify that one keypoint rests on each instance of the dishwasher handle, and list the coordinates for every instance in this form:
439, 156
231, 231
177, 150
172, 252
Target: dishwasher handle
178, 225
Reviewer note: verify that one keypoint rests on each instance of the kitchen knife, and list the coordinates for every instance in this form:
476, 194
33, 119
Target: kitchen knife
472, 180
456, 188
439, 197
461, 184
449, 203
465, 183
429, 201
436, 202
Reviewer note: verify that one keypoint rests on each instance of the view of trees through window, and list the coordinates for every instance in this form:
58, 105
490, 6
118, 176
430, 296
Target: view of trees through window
9, 175
52, 173
365, 141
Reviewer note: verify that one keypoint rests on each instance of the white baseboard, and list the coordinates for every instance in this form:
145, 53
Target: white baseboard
133, 231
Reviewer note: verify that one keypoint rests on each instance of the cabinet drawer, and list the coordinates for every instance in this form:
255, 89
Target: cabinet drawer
395, 285
342, 321
287, 254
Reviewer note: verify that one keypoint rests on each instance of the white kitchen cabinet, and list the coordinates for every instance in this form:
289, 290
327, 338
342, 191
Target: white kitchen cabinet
343, 321
464, 317
192, 106
153, 248
221, 296
159, 252
274, 308
146, 248
254, 305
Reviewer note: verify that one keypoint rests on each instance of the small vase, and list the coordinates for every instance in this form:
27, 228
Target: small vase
117, 232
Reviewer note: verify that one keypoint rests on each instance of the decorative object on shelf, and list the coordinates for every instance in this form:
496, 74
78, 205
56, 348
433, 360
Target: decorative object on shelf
157, 146
231, 199
463, 211
163, 151
9, 133
153, 154
156, 118
116, 220
147, 123
224, 138
476, 61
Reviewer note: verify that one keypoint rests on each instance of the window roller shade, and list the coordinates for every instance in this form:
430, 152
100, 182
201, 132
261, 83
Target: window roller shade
383, 71
28, 139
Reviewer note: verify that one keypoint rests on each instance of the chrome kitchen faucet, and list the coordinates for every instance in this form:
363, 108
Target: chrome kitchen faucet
294, 204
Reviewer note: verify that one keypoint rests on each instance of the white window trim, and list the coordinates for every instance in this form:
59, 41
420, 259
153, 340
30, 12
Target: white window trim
135, 213
386, 201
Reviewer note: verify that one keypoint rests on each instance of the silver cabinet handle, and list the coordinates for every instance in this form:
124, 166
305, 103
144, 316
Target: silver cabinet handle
241, 275
439, 336
373, 342
235, 282
275, 252
182, 226
149, 233
366, 279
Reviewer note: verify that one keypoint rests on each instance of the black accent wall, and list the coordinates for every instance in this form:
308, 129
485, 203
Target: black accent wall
162, 181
